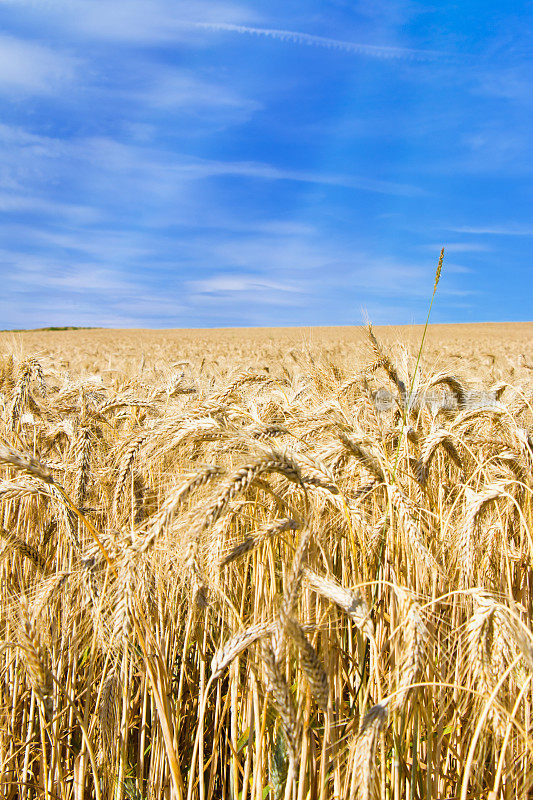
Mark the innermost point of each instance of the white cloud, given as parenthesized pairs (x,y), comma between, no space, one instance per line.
(145,311)
(281,254)
(297,281)
(153,170)
(147,22)
(82,278)
(510,82)
(50,291)
(205,168)
(458,247)
(510,229)
(241,283)
(33,68)
(207,101)
(141,22)
(38,272)
(317,267)
(49,208)
(99,245)
(170,88)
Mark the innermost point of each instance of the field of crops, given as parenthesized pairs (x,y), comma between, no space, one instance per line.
(275,564)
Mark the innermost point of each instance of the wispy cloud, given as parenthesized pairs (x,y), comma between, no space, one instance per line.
(511,229)
(458,247)
(82,278)
(151,21)
(177,163)
(296,278)
(511,82)
(315,266)
(53,291)
(157,171)
(241,283)
(46,208)
(140,22)
(462,247)
(205,168)
(168,88)
(33,68)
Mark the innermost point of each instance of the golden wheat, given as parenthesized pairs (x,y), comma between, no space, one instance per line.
(190,611)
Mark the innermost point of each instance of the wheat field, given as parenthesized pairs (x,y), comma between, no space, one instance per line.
(267,564)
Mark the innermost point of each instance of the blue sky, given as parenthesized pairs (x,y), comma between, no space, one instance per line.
(170,163)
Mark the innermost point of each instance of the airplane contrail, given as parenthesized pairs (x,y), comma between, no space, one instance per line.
(376,51)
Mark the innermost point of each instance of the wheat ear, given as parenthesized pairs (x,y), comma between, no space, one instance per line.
(475,504)
(413,532)
(20,393)
(277,686)
(351,603)
(310,664)
(172,502)
(480,633)
(235,645)
(241,479)
(432,441)
(363,455)
(36,662)
(24,462)
(124,467)
(414,645)
(82,454)
(444,378)
(255,539)
(386,362)
(363,752)
(25,549)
